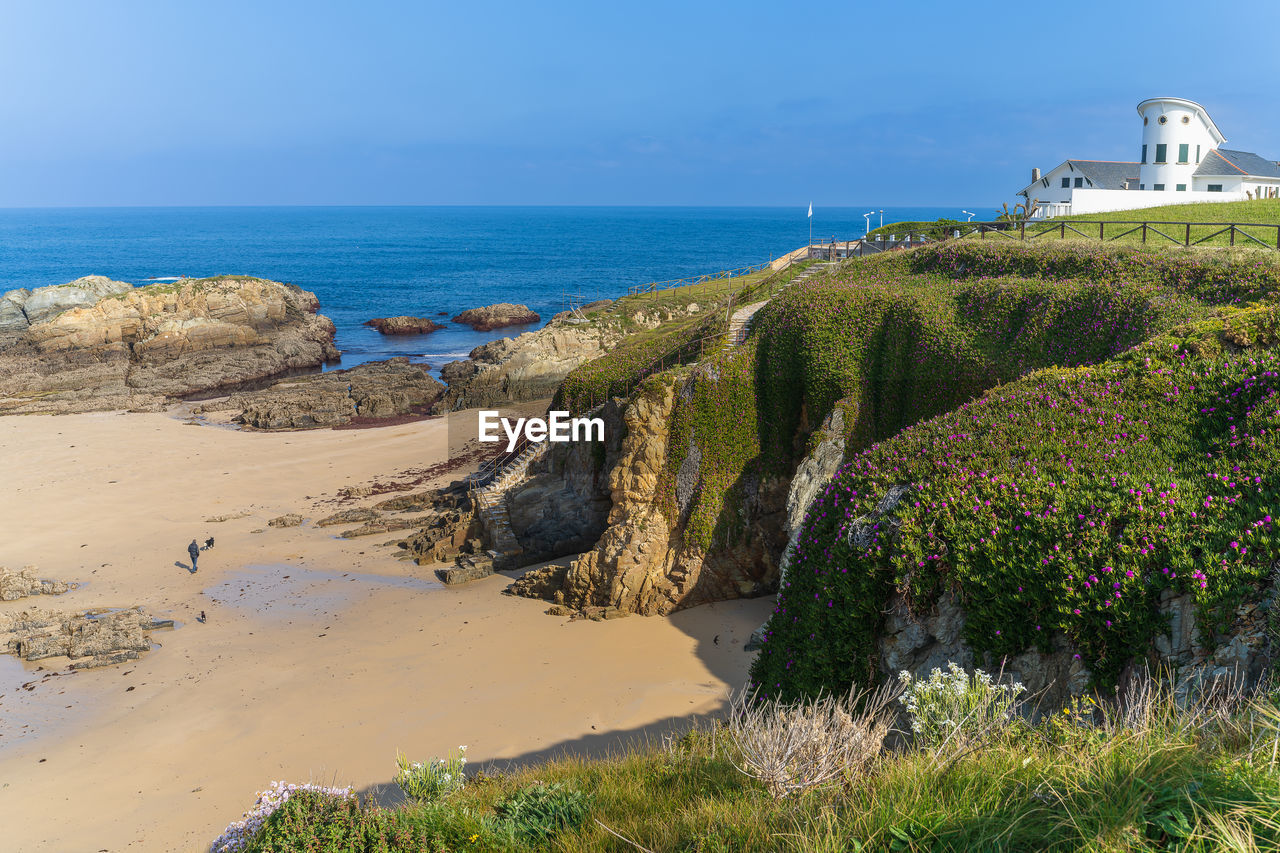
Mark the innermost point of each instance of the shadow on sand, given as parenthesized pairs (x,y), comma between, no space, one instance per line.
(719,646)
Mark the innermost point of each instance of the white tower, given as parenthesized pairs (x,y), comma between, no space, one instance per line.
(1176,135)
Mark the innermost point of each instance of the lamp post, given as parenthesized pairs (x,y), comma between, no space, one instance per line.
(968,214)
(867,217)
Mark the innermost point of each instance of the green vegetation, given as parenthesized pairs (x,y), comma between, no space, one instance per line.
(936,230)
(1258,211)
(1156,776)
(688,322)
(896,339)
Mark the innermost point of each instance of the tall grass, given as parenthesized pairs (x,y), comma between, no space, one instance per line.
(1144,771)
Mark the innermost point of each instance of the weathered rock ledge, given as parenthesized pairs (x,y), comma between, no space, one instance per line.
(24,583)
(367,392)
(91,639)
(528,367)
(97,344)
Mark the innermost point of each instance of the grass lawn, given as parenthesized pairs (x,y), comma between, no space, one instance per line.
(1259,212)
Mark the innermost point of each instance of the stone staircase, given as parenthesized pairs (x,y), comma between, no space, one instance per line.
(740,322)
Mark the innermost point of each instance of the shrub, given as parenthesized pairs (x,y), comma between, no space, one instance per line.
(432,781)
(238,835)
(794,747)
(538,813)
(956,708)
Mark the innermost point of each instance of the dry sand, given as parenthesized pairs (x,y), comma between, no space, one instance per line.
(320,658)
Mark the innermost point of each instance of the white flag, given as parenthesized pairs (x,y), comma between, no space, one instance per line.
(811,210)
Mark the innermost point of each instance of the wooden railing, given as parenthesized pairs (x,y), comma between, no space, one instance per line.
(1177,233)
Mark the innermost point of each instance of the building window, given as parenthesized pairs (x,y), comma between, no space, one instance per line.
(1144,153)
(1164,119)
(1161,150)
(1079,182)
(1146,120)
(1181,188)
(1183,151)
(1066,182)
(1214,188)
(1197,153)
(1142,186)
(1158,187)
(1186,119)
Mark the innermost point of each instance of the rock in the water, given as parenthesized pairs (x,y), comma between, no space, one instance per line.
(497,316)
(403,325)
(96,344)
(368,392)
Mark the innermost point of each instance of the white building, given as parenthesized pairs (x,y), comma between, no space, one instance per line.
(1182,161)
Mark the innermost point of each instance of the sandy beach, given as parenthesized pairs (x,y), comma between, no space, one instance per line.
(320,656)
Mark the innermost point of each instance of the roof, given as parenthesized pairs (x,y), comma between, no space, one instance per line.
(1107,174)
(1184,103)
(1221,161)
(1102,174)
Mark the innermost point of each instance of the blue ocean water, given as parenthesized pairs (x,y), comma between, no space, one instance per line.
(365,262)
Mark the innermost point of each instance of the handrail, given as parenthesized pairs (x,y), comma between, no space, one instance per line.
(654,286)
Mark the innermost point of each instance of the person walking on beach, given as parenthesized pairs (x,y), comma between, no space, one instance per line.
(194,550)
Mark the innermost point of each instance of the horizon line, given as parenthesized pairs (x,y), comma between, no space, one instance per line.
(801,206)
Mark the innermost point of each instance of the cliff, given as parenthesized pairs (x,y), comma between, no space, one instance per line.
(138,348)
(725,471)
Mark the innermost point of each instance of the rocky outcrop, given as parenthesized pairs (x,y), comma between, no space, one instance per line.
(528,367)
(139,348)
(403,325)
(1241,656)
(95,638)
(497,316)
(23,583)
(641,564)
(22,308)
(450,529)
(368,392)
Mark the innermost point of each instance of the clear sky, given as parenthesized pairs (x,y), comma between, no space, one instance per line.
(686,103)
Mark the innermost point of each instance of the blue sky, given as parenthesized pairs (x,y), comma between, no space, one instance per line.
(686,103)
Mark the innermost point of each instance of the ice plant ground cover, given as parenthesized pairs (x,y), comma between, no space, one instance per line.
(895,339)
(1064,502)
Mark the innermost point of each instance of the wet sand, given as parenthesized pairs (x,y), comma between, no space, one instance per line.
(320,657)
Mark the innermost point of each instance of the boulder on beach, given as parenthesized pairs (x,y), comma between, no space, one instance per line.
(403,325)
(498,316)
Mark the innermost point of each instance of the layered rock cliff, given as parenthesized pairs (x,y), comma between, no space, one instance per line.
(138,348)
(528,367)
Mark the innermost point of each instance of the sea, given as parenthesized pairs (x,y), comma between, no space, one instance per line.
(365,262)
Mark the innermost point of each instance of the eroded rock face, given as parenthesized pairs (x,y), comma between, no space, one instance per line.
(528,367)
(378,390)
(403,325)
(497,316)
(22,308)
(921,642)
(641,563)
(449,528)
(138,348)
